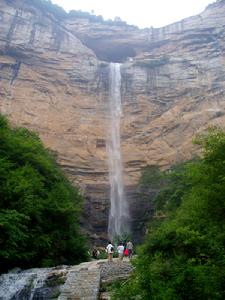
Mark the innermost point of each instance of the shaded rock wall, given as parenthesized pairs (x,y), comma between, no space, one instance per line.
(53,81)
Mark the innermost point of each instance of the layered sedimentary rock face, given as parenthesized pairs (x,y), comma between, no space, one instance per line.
(54,80)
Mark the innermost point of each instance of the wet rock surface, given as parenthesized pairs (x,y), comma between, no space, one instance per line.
(33,284)
(81,282)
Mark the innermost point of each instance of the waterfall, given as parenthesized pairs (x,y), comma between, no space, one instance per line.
(22,285)
(118,215)
(31,284)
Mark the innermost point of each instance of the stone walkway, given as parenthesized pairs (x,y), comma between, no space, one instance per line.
(83,281)
(87,281)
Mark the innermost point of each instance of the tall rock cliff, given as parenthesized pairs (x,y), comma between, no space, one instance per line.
(54,80)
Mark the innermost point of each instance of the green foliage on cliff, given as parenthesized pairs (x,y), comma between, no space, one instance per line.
(47,6)
(39,208)
(183,256)
(85,15)
(96,19)
(151,175)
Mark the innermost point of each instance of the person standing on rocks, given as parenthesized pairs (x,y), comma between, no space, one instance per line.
(95,252)
(130,249)
(120,250)
(110,251)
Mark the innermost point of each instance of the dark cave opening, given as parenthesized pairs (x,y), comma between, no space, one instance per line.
(110,51)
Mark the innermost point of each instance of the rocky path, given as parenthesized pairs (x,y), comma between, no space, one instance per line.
(87,281)
(111,273)
(83,281)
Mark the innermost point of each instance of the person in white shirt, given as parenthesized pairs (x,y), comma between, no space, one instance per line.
(120,250)
(110,250)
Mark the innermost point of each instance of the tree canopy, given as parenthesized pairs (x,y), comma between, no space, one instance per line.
(183,256)
(39,208)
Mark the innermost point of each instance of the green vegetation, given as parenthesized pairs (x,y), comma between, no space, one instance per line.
(125,237)
(39,208)
(85,15)
(55,280)
(96,19)
(111,286)
(183,256)
(102,254)
(47,6)
(151,175)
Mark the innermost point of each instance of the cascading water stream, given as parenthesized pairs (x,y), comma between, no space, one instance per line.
(118,215)
(22,285)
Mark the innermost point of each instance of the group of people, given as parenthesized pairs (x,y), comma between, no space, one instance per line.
(123,250)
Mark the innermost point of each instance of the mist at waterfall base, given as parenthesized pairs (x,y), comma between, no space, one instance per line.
(119,212)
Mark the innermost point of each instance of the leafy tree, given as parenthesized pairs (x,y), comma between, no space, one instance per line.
(39,208)
(60,13)
(184,257)
(175,183)
(151,175)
